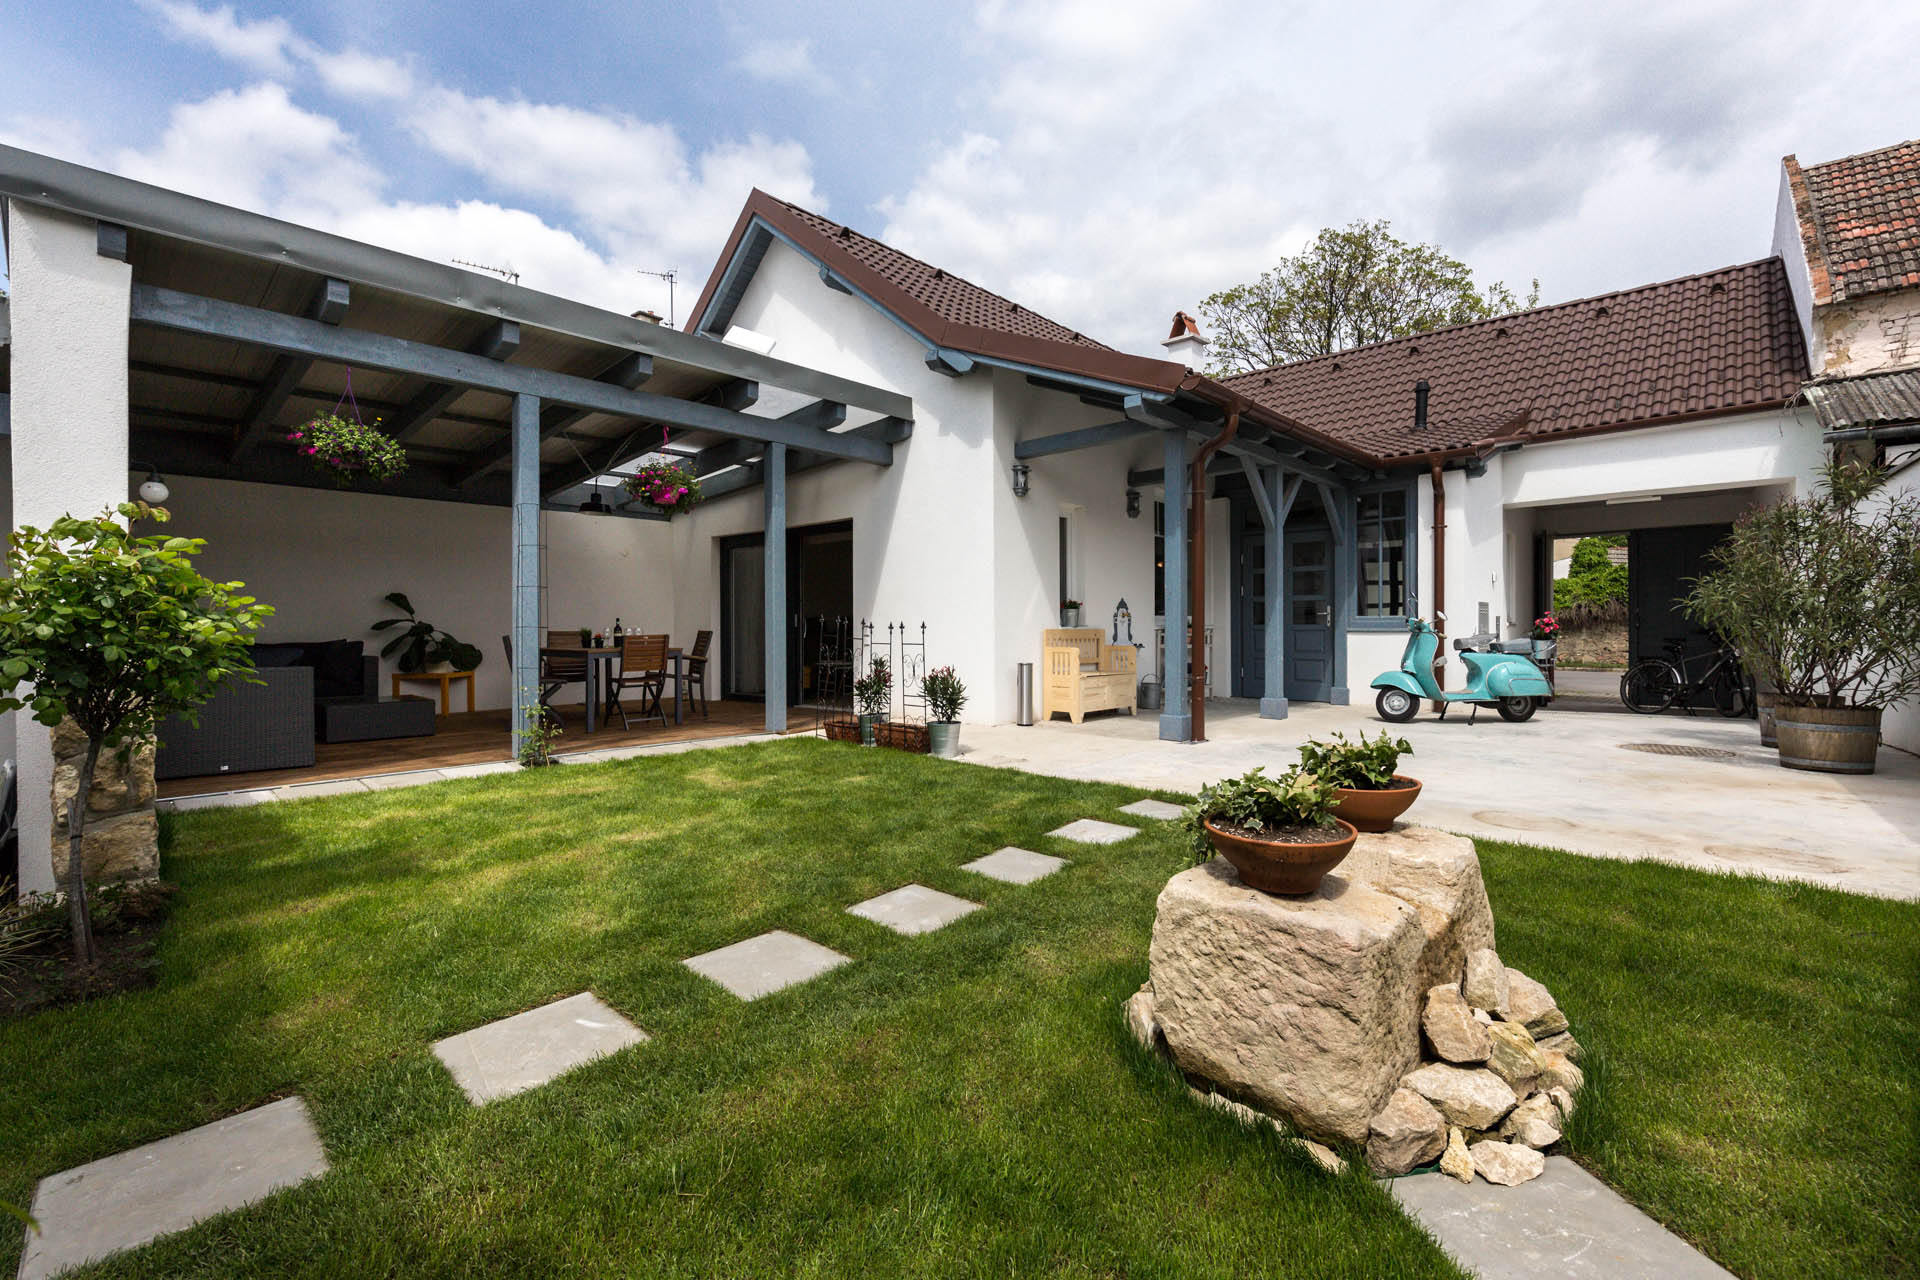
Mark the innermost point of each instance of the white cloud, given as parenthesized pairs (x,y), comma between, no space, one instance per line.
(787,62)
(354,74)
(264,45)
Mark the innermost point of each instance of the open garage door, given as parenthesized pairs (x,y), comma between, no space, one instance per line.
(1661,566)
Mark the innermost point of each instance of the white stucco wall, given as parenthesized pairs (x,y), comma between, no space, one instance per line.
(1868,335)
(1900,725)
(1792,253)
(325,558)
(69,447)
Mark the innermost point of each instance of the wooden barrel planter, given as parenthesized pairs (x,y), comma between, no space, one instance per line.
(1828,739)
(1764,705)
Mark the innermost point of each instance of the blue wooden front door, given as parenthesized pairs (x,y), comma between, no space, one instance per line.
(1309,583)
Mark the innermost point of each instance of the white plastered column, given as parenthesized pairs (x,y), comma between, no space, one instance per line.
(69,314)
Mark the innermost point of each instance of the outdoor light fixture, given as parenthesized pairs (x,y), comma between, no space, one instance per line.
(153,490)
(1020,473)
(1133,504)
(595,505)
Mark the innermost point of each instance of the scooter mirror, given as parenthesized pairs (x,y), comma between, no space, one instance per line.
(1440,615)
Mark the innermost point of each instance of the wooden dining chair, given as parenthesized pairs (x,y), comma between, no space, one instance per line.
(550,681)
(696,666)
(643,666)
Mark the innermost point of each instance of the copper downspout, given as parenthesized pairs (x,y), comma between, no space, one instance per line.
(1197,576)
(1439,570)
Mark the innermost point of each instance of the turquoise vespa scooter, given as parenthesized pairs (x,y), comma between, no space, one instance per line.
(1507,681)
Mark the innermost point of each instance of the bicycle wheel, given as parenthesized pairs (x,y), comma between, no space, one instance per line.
(1649,687)
(1730,695)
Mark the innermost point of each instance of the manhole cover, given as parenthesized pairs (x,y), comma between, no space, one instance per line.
(1669,749)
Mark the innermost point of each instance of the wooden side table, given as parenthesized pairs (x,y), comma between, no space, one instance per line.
(444,679)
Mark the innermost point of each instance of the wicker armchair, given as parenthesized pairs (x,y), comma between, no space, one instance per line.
(1082,673)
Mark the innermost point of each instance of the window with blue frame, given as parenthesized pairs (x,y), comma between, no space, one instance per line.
(1384,570)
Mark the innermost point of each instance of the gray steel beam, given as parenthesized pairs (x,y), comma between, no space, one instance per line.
(1084,438)
(747,474)
(1176,718)
(526,566)
(824,414)
(499,342)
(328,306)
(210,317)
(774,579)
(630,370)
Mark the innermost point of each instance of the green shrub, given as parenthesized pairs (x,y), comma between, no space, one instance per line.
(1366,765)
(1257,803)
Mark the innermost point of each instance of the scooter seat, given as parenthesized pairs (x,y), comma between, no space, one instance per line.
(1474,643)
(1524,647)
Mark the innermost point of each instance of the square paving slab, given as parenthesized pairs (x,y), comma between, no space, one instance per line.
(1015,866)
(1158,810)
(516,1054)
(1094,831)
(766,964)
(126,1200)
(913,908)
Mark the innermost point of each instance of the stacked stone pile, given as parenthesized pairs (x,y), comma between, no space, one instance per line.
(1497,1084)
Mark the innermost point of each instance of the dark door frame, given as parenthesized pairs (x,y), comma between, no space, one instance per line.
(796,607)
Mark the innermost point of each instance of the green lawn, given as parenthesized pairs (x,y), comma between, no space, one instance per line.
(964,1102)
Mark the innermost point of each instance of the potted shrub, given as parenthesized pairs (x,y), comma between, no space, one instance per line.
(422,646)
(874,693)
(349,450)
(1820,596)
(666,487)
(1279,833)
(586,637)
(1069,613)
(1368,793)
(1546,636)
(945,694)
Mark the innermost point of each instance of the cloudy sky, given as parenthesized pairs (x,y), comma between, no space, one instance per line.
(1103,161)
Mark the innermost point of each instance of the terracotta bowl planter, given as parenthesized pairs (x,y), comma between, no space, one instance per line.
(1376,810)
(1276,866)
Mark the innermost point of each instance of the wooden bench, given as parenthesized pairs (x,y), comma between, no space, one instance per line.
(1082,674)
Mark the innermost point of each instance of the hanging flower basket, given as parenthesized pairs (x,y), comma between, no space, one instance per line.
(665,486)
(349,451)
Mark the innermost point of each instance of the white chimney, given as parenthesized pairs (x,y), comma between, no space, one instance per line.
(1185,345)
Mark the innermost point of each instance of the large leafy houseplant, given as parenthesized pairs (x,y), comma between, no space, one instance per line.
(114,632)
(422,644)
(1820,595)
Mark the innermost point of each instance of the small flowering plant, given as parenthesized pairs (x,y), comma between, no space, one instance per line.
(349,450)
(1546,627)
(945,694)
(665,486)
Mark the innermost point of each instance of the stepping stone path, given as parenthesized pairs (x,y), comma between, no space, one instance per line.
(766,964)
(128,1199)
(913,908)
(1094,831)
(528,1049)
(1015,866)
(1158,810)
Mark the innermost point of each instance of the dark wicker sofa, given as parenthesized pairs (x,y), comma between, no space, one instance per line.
(246,725)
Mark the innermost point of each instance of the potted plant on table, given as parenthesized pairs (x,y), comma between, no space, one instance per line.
(1368,792)
(422,646)
(946,694)
(874,692)
(1820,596)
(1279,833)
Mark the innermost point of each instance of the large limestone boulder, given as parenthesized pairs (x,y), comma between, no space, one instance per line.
(1310,1006)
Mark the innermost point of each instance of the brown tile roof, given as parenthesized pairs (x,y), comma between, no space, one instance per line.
(1721,342)
(1860,221)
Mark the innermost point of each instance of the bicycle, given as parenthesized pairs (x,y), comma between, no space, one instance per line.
(1652,685)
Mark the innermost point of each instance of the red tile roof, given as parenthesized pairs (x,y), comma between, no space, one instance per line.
(1860,221)
(1721,342)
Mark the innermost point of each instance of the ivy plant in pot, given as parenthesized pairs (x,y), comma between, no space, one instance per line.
(1368,792)
(1280,833)
(945,694)
(1820,596)
(421,646)
(874,692)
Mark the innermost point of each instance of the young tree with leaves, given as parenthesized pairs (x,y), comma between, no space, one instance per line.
(1351,286)
(114,632)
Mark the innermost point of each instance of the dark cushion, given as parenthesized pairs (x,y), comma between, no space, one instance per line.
(280,655)
(336,668)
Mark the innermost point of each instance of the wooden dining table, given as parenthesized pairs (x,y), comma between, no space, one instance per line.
(601,666)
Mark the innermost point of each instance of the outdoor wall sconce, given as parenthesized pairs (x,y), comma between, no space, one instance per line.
(1133,504)
(153,490)
(1020,473)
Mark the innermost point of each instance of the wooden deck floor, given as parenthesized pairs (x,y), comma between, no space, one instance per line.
(481,737)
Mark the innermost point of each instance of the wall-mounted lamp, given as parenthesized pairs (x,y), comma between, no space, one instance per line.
(1020,473)
(1133,504)
(153,490)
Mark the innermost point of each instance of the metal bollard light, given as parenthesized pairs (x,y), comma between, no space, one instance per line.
(1023,694)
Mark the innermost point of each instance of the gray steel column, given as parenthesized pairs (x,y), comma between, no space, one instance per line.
(1176,719)
(526,564)
(773,494)
(1273,700)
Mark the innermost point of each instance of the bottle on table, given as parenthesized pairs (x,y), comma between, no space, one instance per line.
(618,631)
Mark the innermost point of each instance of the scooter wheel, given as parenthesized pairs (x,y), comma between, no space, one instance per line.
(1516,710)
(1396,705)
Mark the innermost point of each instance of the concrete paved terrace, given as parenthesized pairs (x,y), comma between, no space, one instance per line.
(1570,780)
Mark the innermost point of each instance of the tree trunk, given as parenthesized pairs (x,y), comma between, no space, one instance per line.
(78,917)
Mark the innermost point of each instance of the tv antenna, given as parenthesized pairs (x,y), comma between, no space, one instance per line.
(668,276)
(505,273)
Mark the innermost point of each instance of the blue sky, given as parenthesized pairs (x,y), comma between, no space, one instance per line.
(1104,161)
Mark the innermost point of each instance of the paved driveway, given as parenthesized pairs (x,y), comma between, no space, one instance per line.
(1564,779)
